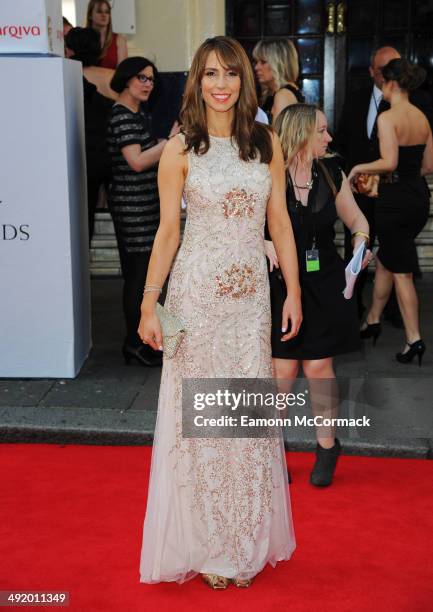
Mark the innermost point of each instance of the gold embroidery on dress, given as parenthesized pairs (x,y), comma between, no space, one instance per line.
(237,281)
(239,203)
(229,488)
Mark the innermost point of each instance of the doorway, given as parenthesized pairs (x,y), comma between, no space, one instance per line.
(335,39)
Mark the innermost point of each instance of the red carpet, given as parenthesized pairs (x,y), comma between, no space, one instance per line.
(71,519)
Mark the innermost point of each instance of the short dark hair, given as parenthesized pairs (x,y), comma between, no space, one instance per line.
(86,45)
(129,68)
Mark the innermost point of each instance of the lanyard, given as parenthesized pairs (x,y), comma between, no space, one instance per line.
(300,206)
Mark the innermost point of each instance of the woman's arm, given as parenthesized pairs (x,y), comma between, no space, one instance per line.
(102,81)
(171,177)
(388,150)
(427,160)
(280,229)
(282,99)
(122,48)
(352,216)
(140,160)
(349,211)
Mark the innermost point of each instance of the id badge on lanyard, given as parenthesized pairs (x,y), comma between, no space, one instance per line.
(312,261)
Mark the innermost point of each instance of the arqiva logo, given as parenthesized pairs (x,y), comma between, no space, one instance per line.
(20,31)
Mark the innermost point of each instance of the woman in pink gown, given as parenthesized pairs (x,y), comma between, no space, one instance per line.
(219,507)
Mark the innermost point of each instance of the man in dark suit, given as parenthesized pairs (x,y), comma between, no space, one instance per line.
(356,141)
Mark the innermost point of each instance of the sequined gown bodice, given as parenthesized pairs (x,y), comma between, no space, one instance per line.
(217,505)
(219,284)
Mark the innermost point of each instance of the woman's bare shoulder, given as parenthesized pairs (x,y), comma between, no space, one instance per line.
(174,150)
(407,112)
(285,96)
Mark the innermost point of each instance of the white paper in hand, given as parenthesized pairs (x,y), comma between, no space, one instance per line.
(353,268)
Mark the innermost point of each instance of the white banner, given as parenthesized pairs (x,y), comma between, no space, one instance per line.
(31,26)
(44,261)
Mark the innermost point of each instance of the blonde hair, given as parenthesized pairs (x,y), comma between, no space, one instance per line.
(109,36)
(282,57)
(296,127)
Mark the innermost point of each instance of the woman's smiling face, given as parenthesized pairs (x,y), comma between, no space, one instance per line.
(220,85)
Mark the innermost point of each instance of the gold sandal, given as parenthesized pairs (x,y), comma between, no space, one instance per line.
(216,582)
(242,584)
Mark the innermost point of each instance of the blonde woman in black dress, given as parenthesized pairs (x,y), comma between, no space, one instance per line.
(317,194)
(406,151)
(276,65)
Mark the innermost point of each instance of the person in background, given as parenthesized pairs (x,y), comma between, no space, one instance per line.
(356,140)
(113,46)
(277,70)
(317,194)
(133,197)
(82,44)
(402,208)
(67,25)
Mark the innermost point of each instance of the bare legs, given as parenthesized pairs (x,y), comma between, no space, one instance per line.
(314,369)
(406,296)
(408,303)
(383,282)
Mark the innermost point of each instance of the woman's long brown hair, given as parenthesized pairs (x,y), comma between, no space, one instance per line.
(109,35)
(252,138)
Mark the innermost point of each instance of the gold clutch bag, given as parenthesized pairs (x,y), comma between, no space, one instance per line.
(173,331)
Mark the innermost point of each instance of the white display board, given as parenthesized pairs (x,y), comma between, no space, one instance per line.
(31,26)
(122,15)
(44,257)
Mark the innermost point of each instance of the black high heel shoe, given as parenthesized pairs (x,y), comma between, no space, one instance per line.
(373,330)
(416,348)
(143,355)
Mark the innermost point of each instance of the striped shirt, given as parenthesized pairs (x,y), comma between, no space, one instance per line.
(133,196)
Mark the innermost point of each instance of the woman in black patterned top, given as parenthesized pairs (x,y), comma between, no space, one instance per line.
(133,195)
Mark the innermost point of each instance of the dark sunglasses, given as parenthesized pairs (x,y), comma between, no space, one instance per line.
(145,79)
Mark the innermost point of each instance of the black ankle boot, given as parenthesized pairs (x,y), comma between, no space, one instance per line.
(324,467)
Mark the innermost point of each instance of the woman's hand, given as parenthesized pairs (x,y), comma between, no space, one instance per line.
(367,259)
(353,175)
(271,255)
(150,330)
(175,129)
(292,311)
(368,255)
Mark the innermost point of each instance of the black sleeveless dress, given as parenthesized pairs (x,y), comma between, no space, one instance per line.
(402,211)
(330,324)
(269,102)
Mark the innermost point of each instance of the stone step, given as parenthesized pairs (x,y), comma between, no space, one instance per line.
(98,271)
(104,226)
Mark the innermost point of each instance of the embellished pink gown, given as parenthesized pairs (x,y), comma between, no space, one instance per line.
(218,506)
